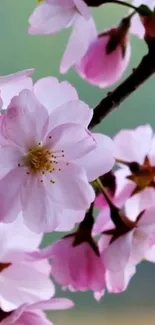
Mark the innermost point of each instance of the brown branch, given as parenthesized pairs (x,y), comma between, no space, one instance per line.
(145,70)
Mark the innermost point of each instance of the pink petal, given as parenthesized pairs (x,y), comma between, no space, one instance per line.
(34,318)
(140,244)
(66,147)
(82,8)
(151,154)
(11,85)
(9,242)
(127,142)
(124,187)
(39,212)
(117,255)
(10,157)
(117,282)
(103,222)
(24,283)
(99,294)
(148,218)
(68,218)
(71,112)
(51,93)
(23,126)
(100,160)
(71,188)
(86,269)
(139,202)
(10,195)
(53,304)
(50,19)
(150,254)
(84,32)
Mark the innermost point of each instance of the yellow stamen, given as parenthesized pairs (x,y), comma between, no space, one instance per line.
(38,160)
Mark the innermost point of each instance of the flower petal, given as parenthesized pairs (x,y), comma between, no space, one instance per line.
(65,147)
(12,84)
(100,160)
(53,304)
(118,281)
(71,188)
(21,124)
(10,187)
(10,239)
(24,283)
(84,32)
(51,93)
(50,19)
(117,255)
(71,112)
(127,142)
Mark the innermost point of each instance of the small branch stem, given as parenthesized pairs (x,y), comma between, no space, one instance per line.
(123,3)
(97,3)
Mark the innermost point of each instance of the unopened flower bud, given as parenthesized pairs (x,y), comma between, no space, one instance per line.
(107,57)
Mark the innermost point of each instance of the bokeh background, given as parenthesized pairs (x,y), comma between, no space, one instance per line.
(19,51)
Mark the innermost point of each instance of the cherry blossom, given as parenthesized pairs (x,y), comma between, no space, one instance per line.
(47,167)
(33,314)
(137,167)
(21,280)
(76,266)
(51,16)
(122,247)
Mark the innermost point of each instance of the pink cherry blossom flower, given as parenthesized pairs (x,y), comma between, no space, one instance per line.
(51,16)
(76,267)
(21,280)
(137,28)
(106,58)
(47,167)
(123,248)
(138,167)
(33,314)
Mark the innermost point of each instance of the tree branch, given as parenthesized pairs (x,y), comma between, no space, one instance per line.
(145,70)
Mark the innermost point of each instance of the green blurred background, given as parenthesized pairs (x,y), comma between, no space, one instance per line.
(19,51)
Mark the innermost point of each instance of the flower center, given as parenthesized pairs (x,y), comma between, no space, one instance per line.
(38,160)
(142,175)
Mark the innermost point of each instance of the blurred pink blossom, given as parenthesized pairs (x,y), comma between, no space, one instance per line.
(21,280)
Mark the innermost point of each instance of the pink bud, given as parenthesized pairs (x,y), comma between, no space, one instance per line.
(107,58)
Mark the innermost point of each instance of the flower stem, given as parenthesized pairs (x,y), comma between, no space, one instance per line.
(123,3)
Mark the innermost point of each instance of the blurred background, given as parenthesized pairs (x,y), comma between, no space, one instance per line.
(19,51)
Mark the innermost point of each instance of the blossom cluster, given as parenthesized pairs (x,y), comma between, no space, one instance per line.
(55,172)
(102,57)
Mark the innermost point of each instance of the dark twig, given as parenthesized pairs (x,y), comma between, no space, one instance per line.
(145,70)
